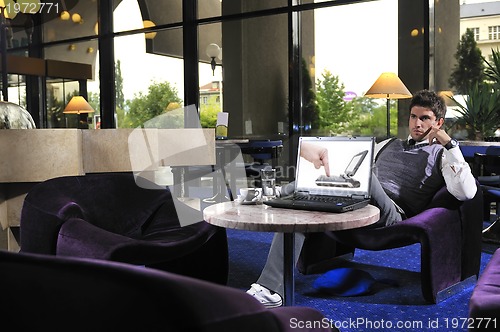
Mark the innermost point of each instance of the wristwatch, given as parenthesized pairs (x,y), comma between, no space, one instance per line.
(451,144)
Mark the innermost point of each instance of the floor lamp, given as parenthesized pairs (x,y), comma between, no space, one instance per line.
(388,86)
(78,105)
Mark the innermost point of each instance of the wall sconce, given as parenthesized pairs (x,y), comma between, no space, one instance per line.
(76,18)
(214,51)
(8,9)
(149,24)
(388,86)
(65,16)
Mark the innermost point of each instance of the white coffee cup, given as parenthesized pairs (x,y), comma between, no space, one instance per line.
(250,194)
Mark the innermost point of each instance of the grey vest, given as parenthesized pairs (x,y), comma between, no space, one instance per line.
(410,177)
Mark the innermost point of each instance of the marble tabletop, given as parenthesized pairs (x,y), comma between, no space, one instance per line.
(263,218)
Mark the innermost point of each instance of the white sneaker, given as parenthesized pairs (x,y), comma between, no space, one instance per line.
(264,296)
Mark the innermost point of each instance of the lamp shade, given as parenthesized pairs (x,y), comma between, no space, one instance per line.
(213,50)
(389,86)
(78,105)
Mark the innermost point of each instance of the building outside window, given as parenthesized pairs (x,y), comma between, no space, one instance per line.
(475,31)
(494,32)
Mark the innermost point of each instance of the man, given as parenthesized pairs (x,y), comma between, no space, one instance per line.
(406,175)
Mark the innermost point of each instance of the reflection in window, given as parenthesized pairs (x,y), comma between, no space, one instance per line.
(17,89)
(59,92)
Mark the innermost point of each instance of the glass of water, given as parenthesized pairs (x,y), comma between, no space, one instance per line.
(268,181)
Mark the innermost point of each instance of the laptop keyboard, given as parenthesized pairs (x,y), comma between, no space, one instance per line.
(325,199)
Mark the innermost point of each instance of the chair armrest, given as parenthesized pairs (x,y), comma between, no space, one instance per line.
(412,230)
(491,180)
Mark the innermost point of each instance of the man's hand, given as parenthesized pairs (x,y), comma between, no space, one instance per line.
(439,134)
(317,155)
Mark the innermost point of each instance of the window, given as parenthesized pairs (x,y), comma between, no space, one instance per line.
(475,31)
(494,32)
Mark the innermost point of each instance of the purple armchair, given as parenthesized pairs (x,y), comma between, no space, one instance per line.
(449,233)
(108,216)
(484,304)
(50,293)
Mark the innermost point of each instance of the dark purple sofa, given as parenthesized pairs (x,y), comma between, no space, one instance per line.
(108,216)
(484,304)
(449,233)
(50,293)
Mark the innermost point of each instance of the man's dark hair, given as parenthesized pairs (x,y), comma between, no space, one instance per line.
(429,99)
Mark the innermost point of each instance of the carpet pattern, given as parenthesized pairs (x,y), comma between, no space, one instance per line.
(388,308)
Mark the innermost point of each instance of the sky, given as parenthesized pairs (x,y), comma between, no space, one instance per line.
(357,64)
(365,50)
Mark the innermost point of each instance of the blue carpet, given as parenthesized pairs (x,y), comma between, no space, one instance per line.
(383,310)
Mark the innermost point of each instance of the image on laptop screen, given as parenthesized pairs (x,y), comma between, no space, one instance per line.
(350,163)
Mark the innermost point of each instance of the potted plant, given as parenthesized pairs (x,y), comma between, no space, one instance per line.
(481,112)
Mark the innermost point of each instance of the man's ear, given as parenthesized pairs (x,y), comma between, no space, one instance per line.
(440,122)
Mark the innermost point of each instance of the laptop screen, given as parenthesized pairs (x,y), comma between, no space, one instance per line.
(350,163)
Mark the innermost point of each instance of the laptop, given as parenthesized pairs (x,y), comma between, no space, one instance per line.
(315,191)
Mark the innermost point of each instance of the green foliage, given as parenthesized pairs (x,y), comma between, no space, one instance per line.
(481,112)
(120,98)
(208,113)
(334,116)
(146,108)
(94,101)
(469,68)
(492,70)
(371,118)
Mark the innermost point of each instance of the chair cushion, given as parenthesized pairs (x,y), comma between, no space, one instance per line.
(42,292)
(78,238)
(485,299)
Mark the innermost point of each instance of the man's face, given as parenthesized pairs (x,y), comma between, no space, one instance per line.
(421,121)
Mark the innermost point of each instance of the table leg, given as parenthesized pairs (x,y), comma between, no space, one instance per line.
(220,184)
(289,268)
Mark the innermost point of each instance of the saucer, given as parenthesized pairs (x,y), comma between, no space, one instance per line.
(250,202)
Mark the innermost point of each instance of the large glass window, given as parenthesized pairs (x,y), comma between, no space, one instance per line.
(69,19)
(149,68)
(59,93)
(251,79)
(256,69)
(211,73)
(148,82)
(343,59)
(152,13)
(17,89)
(237,7)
